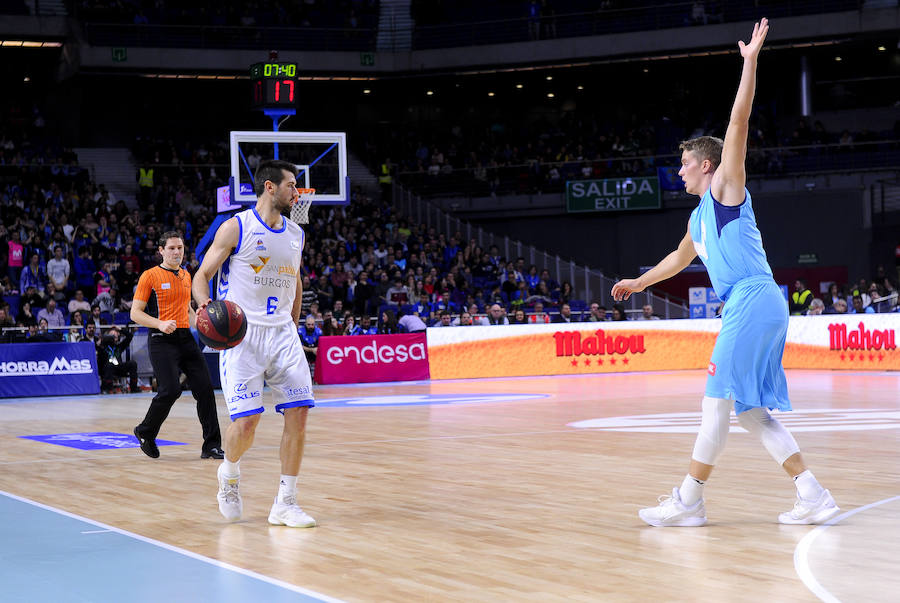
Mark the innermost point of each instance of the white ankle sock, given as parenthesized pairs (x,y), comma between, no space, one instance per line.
(287,487)
(808,487)
(691,490)
(231,469)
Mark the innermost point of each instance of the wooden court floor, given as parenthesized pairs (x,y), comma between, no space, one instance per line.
(502,490)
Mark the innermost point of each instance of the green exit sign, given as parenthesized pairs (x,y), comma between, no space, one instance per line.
(367,59)
(119,55)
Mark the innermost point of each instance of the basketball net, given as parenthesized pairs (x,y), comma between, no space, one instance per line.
(300,209)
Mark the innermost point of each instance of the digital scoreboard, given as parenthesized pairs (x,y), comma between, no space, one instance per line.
(273,85)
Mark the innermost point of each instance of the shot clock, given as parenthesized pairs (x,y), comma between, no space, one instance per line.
(273,85)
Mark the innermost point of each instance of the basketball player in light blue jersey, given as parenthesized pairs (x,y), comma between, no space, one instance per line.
(745,370)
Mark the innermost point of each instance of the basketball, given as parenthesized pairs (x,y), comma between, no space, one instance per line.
(222,325)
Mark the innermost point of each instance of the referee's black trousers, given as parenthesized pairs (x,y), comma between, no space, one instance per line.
(171,355)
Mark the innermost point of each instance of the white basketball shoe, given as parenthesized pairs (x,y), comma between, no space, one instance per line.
(289,513)
(811,511)
(230,505)
(671,512)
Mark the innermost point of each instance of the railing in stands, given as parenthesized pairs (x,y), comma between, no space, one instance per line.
(534,177)
(652,16)
(589,285)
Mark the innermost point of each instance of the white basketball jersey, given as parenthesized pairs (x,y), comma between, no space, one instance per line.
(261,275)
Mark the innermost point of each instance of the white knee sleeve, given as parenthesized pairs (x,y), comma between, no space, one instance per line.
(775,437)
(713,430)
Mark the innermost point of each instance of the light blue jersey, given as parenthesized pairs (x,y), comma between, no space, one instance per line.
(746,362)
(728,242)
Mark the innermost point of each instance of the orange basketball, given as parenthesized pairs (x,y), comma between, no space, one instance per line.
(222,324)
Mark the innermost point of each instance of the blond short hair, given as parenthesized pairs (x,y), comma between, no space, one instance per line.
(706,147)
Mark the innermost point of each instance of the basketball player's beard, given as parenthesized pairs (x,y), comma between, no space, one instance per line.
(283,207)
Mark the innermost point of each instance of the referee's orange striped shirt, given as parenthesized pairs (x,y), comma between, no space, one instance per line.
(167,294)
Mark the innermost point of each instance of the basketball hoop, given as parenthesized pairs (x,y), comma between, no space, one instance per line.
(300,209)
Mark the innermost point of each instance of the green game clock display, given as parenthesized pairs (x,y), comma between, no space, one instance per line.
(273,84)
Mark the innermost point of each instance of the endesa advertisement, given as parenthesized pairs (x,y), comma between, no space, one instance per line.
(372,358)
(856,341)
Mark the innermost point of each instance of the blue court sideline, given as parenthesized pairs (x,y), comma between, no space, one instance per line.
(51,555)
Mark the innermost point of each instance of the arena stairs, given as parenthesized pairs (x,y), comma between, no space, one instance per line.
(114,167)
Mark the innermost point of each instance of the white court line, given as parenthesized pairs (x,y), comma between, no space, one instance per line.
(801,553)
(175,549)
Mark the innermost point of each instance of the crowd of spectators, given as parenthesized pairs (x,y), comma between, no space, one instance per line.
(513,152)
(877,295)
(73,251)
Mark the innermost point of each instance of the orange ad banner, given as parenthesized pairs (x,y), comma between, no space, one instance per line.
(824,342)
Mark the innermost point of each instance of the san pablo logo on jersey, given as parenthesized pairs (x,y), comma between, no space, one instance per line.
(260,246)
(33,368)
(279,270)
(263,261)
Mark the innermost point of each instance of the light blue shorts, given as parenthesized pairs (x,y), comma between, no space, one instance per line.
(746,361)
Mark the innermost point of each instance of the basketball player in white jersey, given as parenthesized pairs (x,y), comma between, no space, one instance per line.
(257,255)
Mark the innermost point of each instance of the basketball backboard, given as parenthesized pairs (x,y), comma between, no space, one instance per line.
(320,157)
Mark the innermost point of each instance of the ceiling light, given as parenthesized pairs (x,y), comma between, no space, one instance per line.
(549,77)
(367,91)
(29,44)
(430,93)
(580,87)
(882,48)
(550,95)
(838,59)
(519,86)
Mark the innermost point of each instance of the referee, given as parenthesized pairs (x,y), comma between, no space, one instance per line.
(162,302)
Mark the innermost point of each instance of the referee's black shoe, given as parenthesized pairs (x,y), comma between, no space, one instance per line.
(213,453)
(148,445)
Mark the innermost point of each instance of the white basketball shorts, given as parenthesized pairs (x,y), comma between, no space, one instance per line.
(270,354)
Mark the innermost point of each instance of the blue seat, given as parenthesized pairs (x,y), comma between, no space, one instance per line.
(578,305)
(122,318)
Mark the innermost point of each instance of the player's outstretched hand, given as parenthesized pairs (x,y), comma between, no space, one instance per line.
(204,304)
(624,288)
(752,48)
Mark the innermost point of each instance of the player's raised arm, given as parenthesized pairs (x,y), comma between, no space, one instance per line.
(223,245)
(671,265)
(731,175)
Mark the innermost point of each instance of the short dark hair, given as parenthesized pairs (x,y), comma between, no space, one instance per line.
(273,171)
(706,147)
(169,234)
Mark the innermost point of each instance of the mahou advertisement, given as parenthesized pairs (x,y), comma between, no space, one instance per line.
(371,358)
(847,342)
(851,341)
